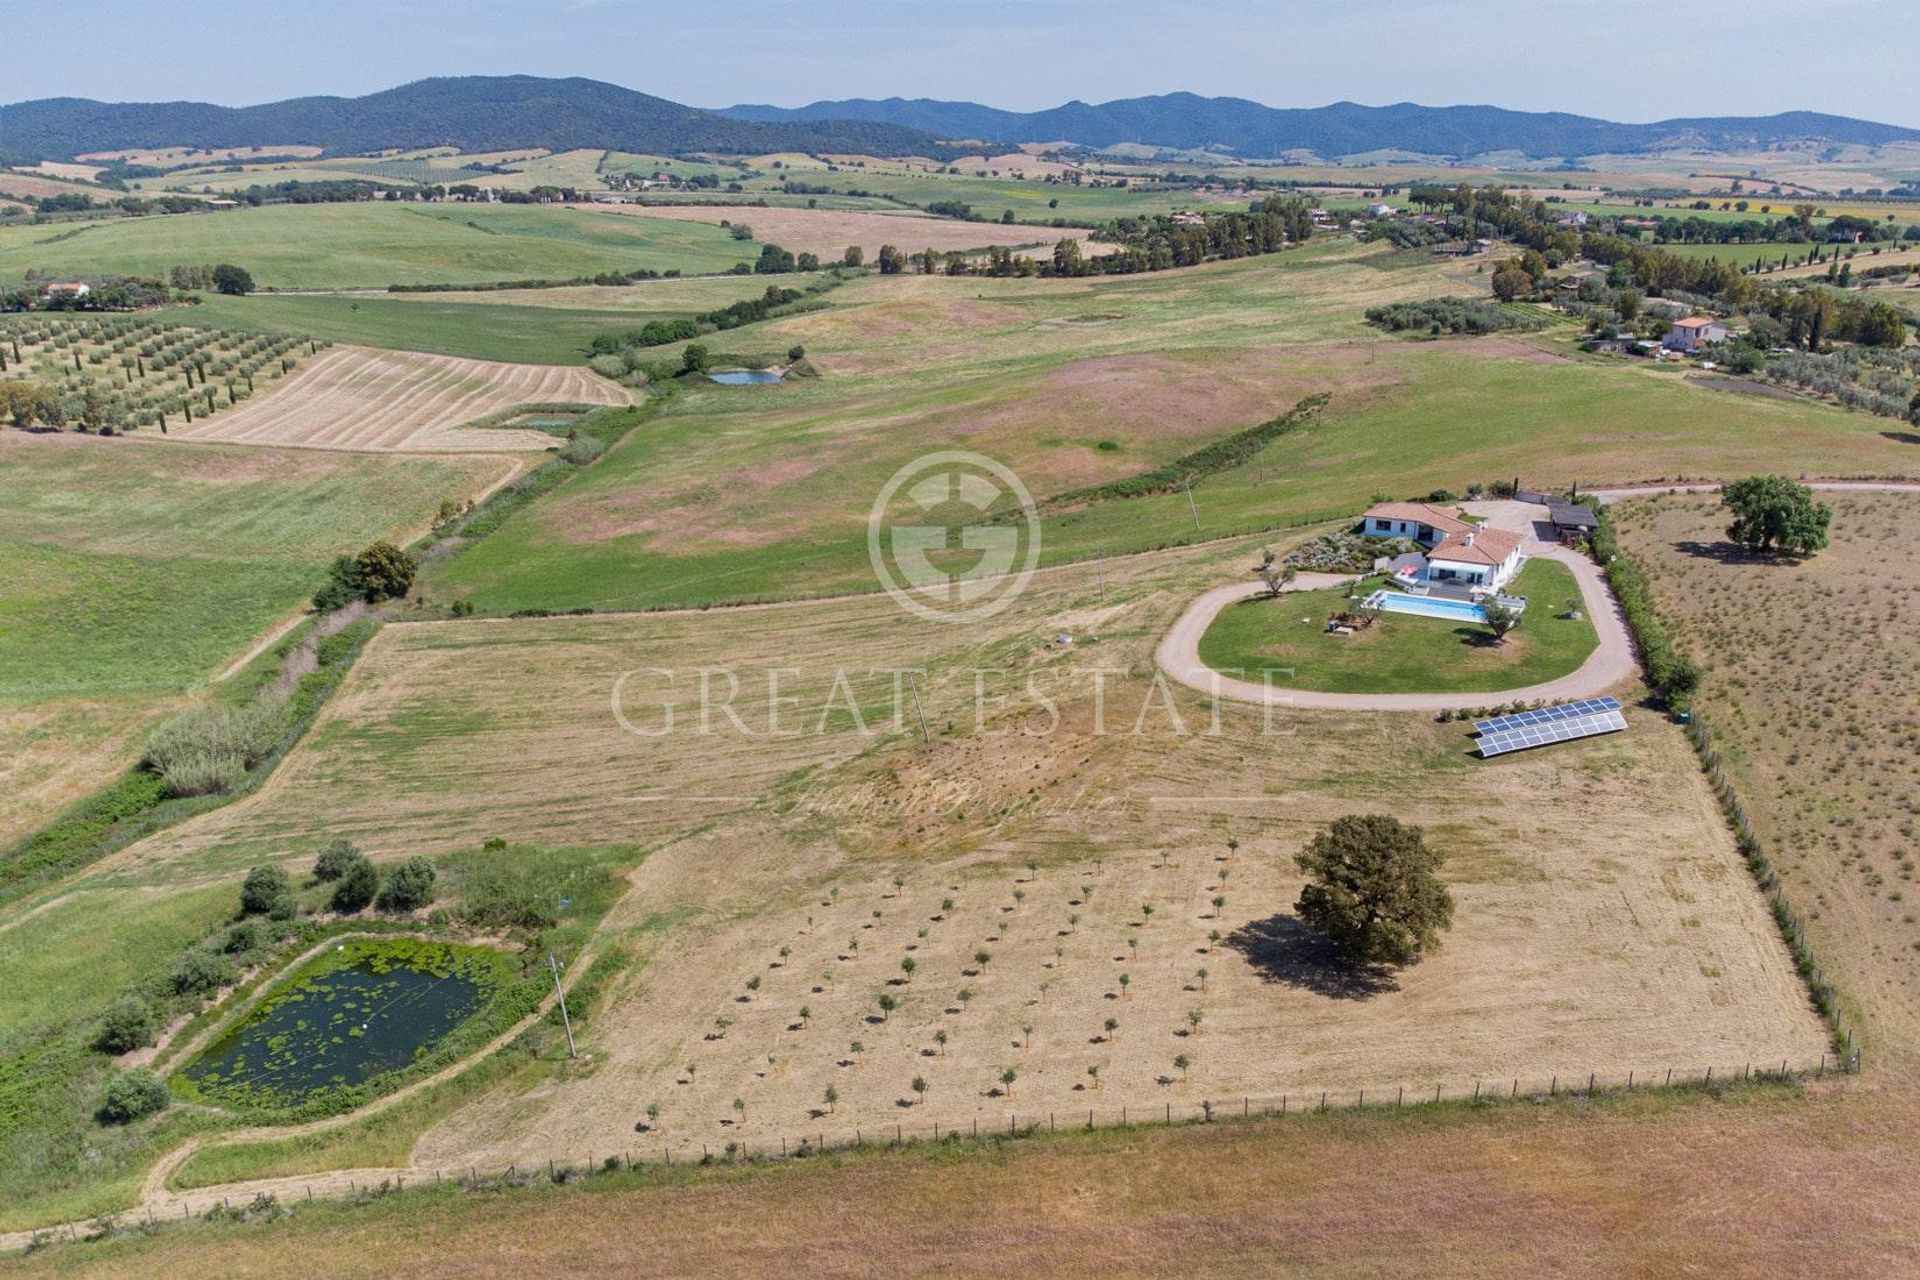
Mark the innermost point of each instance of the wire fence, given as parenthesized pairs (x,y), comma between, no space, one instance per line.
(635,1151)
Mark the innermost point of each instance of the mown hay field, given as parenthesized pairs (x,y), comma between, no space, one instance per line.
(360,398)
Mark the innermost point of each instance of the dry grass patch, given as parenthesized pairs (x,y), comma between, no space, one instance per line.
(1813,683)
(359,398)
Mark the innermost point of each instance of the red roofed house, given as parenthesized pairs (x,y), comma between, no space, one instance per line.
(1458,551)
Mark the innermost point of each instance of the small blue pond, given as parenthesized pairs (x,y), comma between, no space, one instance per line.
(340,1028)
(745,377)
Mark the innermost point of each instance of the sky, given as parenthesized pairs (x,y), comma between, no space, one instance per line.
(1632,60)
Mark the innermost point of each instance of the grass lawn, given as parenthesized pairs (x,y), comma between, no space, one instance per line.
(332,246)
(1401,653)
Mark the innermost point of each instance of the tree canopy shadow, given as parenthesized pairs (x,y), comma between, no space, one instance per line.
(1282,949)
(1902,437)
(1725,552)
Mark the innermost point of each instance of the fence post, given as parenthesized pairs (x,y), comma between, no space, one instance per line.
(1283,1104)
(1436,1095)
(1629,1082)
(1362,1102)
(1169,1113)
(1012,1129)
(1591,1076)
(1669,1076)
(1399,1097)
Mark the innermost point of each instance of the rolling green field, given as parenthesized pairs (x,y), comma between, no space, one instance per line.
(739,493)
(334,246)
(520,325)
(140,567)
(1400,653)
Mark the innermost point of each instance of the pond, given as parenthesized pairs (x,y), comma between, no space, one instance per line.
(362,1010)
(745,377)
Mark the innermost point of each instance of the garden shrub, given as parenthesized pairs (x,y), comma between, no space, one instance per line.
(409,886)
(132,1095)
(262,889)
(201,973)
(356,886)
(126,1025)
(334,859)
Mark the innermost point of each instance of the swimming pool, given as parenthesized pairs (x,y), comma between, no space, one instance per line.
(1427,606)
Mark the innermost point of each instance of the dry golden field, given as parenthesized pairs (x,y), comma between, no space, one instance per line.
(1793,1184)
(360,398)
(1598,931)
(1813,683)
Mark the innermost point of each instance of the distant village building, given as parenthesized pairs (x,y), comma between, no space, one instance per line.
(1380,211)
(68,288)
(1694,333)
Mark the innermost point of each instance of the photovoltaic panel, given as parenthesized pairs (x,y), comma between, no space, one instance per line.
(1539,735)
(1560,711)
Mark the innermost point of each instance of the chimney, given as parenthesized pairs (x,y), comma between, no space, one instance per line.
(1469,538)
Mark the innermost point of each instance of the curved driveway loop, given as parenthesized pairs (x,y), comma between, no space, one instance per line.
(1609,664)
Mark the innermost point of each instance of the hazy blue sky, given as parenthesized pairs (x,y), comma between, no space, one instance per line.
(1623,59)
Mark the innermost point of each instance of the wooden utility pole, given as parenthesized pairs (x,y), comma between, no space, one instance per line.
(1190,507)
(914,684)
(565,1021)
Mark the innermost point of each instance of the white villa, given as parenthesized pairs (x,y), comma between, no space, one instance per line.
(1458,552)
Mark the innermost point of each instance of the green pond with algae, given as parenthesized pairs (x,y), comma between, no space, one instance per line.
(355,1015)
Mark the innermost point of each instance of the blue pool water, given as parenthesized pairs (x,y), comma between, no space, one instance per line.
(1428,606)
(745,377)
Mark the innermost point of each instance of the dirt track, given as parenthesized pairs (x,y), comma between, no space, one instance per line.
(1609,664)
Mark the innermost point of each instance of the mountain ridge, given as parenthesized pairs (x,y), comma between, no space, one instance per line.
(473,113)
(1189,122)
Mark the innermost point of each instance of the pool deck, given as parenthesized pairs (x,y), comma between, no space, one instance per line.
(1611,662)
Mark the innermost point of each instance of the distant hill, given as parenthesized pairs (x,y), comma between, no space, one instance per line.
(473,113)
(1186,121)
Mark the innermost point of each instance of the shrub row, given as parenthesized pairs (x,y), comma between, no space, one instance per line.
(1222,455)
(1674,676)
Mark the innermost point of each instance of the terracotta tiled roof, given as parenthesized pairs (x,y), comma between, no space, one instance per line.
(1489,546)
(1441,518)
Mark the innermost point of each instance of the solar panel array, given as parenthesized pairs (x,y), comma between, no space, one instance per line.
(1562,711)
(1502,741)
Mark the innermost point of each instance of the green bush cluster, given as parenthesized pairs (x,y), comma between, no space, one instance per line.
(207,749)
(1451,315)
(1674,676)
(132,1095)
